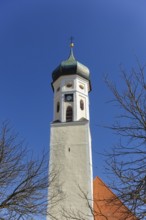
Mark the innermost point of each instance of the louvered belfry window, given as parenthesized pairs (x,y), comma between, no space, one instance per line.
(69,114)
(58,106)
(81,104)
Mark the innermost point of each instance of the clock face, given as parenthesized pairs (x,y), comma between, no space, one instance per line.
(69,97)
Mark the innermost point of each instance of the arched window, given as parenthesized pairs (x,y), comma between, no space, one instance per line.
(58,106)
(81,104)
(69,114)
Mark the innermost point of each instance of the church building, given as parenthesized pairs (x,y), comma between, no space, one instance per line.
(70,150)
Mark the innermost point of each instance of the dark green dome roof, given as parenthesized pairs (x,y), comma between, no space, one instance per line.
(71,67)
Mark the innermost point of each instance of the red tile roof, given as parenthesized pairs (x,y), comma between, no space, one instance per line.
(107,206)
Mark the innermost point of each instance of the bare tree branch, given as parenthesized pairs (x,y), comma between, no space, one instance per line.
(24,182)
(128,158)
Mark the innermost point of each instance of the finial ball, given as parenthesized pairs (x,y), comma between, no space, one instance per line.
(72,44)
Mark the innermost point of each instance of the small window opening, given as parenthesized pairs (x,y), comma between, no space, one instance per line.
(58,106)
(69,114)
(81,86)
(81,104)
(69,85)
(58,89)
(69,149)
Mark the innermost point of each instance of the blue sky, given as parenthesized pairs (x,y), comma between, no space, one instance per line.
(34,39)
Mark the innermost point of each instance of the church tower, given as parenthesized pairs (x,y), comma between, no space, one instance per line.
(70,141)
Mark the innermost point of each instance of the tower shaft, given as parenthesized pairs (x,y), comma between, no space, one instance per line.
(71,159)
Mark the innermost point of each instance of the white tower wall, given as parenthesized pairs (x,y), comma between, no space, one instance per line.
(70,152)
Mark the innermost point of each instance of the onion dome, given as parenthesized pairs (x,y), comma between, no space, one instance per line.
(71,67)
